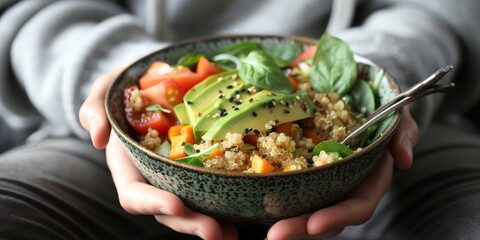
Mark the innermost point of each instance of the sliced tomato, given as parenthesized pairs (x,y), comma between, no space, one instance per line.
(205,68)
(167,93)
(307,54)
(186,79)
(161,71)
(141,121)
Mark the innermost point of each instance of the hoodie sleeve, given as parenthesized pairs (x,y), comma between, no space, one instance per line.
(56,49)
(414,38)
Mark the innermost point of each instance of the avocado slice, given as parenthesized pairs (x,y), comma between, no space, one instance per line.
(181,113)
(233,100)
(251,117)
(205,94)
(197,89)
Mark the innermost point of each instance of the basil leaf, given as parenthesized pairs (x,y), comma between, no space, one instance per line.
(157,107)
(189,60)
(242,49)
(363,97)
(189,149)
(333,67)
(332,146)
(259,69)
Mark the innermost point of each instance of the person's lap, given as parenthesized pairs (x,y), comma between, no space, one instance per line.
(62,189)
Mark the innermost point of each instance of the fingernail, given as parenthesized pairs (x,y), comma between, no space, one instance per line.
(407,146)
(165,211)
(198,233)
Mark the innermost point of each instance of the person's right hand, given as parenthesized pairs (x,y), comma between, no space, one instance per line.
(135,194)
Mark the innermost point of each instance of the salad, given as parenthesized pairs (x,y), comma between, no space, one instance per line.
(254,109)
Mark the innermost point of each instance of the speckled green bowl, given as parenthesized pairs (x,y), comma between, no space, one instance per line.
(242,197)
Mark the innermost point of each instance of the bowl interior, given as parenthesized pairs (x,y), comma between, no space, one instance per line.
(211,46)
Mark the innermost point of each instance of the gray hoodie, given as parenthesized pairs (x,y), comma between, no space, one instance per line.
(52,51)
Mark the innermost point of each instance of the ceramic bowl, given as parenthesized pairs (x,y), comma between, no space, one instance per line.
(243,197)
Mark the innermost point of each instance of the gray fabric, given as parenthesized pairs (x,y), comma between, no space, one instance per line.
(61,188)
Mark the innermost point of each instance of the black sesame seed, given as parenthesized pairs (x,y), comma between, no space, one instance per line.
(229,86)
(246,130)
(230,99)
(251,100)
(286,111)
(189,102)
(254,114)
(276,121)
(237,92)
(220,91)
(221,96)
(256,131)
(264,156)
(183,143)
(238,102)
(287,104)
(248,92)
(236,109)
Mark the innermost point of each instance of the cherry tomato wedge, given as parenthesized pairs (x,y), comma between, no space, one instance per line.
(161,71)
(167,93)
(141,121)
(307,54)
(186,79)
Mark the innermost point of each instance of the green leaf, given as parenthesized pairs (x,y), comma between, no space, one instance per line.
(286,52)
(195,162)
(242,49)
(157,107)
(378,80)
(333,68)
(194,159)
(363,97)
(189,60)
(367,134)
(259,69)
(189,149)
(331,147)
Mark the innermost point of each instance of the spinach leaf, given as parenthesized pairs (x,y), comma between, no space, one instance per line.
(284,54)
(242,49)
(189,60)
(259,69)
(333,68)
(363,97)
(332,146)
(287,52)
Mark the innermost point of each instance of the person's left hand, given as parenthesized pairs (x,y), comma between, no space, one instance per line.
(362,201)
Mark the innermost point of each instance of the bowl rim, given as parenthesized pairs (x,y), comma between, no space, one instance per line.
(297,39)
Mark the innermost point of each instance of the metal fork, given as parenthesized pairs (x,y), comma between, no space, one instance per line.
(418,90)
